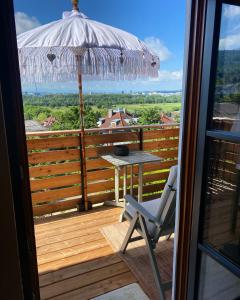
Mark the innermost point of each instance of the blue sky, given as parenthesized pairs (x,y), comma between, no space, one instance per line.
(230,28)
(159,22)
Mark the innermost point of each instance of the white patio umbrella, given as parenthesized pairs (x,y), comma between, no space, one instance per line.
(77,47)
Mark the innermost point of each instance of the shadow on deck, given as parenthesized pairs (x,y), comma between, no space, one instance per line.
(75,261)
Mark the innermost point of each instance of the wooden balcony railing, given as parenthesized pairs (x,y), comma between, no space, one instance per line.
(55,164)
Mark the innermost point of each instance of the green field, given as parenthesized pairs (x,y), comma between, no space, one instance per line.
(65,108)
(165,107)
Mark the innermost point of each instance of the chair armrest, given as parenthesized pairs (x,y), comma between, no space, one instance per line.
(141,210)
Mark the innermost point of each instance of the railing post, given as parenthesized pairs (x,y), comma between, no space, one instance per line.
(83,205)
(141,139)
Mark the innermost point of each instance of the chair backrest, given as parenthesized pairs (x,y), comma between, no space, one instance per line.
(166,211)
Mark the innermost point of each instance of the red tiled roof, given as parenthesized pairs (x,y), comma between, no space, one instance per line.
(165,119)
(49,121)
(116,116)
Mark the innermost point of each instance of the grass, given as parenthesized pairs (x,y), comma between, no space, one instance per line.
(165,107)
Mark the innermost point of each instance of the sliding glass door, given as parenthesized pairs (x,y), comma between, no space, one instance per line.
(216,234)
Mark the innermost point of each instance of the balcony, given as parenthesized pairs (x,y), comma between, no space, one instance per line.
(75,261)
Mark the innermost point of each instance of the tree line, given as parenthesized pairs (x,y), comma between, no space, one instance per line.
(98,100)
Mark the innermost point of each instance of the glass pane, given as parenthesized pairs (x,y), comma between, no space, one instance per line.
(226,113)
(222,201)
(217,283)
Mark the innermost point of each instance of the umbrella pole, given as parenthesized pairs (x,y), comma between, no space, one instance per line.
(82,140)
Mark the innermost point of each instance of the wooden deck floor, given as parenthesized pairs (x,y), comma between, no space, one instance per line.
(74,259)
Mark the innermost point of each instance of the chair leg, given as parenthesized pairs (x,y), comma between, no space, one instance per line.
(129,234)
(152,257)
(169,236)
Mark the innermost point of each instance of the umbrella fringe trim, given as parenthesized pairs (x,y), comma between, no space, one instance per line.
(95,64)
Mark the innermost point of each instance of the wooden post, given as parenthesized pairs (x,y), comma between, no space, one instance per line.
(75,5)
(82,140)
(140,139)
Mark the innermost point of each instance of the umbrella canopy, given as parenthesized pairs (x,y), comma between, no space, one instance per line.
(55,52)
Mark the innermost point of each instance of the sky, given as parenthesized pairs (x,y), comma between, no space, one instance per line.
(160,23)
(230,28)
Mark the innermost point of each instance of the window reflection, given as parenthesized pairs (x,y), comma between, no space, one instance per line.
(222,202)
(226,113)
(217,283)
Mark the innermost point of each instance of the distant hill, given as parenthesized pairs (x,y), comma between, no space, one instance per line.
(228,76)
(99,100)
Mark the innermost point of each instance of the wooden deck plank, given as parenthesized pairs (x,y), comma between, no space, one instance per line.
(79,218)
(75,227)
(70,235)
(75,261)
(99,288)
(56,255)
(67,243)
(78,269)
(82,280)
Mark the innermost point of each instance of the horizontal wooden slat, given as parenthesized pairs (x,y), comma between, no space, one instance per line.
(167,154)
(109,185)
(59,181)
(152,196)
(155,177)
(94,199)
(49,170)
(47,196)
(44,209)
(111,138)
(100,186)
(51,156)
(160,134)
(59,142)
(98,163)
(151,188)
(100,174)
(159,166)
(108,173)
(160,144)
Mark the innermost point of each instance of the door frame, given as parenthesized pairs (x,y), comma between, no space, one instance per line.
(199,69)
(15,143)
(194,41)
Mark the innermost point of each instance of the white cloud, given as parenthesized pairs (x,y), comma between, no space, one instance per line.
(157,46)
(25,22)
(230,42)
(170,75)
(231,11)
(166,76)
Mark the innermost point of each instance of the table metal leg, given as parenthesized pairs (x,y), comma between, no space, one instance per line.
(121,218)
(124,181)
(117,179)
(131,181)
(140,182)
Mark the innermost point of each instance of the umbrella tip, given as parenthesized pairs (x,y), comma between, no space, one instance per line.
(75,5)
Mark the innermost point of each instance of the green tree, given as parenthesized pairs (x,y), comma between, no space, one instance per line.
(150,116)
